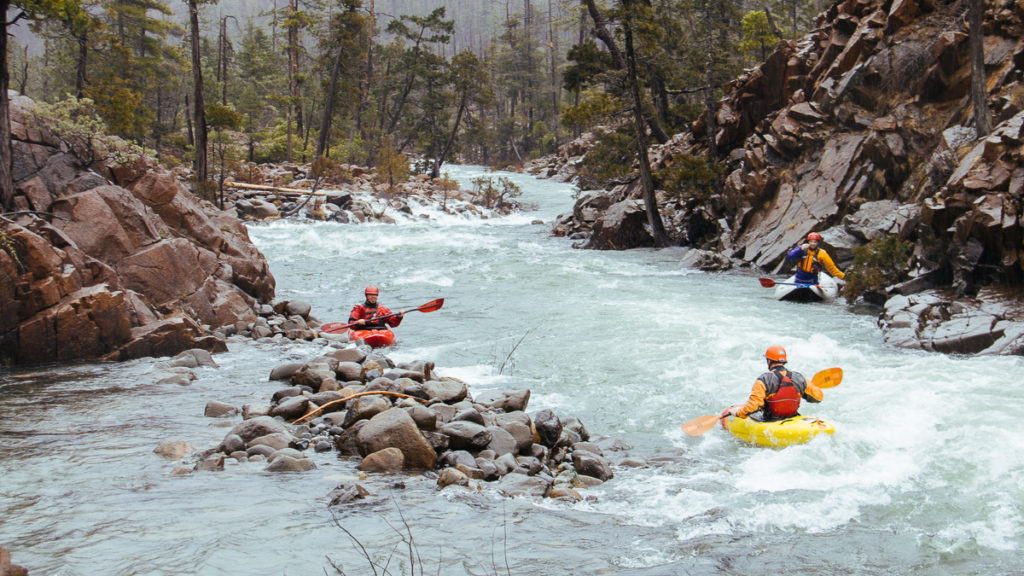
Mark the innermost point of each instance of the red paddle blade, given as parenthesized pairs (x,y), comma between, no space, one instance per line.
(432,305)
(700,425)
(334,327)
(767,282)
(828,378)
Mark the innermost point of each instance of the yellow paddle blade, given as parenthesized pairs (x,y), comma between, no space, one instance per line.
(828,378)
(700,425)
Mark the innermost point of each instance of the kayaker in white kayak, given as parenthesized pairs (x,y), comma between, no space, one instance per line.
(776,394)
(810,259)
(370,316)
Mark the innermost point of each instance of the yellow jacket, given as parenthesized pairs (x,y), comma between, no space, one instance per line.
(811,261)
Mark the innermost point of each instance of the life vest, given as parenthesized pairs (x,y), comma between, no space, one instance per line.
(785,401)
(362,311)
(810,262)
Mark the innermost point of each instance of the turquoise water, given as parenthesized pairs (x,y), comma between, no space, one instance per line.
(923,475)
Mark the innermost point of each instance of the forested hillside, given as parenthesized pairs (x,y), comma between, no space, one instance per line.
(385,82)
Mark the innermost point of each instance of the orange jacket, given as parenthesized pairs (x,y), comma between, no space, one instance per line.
(767,385)
(361,311)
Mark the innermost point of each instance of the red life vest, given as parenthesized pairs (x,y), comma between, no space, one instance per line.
(785,401)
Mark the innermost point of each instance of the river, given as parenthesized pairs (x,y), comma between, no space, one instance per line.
(924,475)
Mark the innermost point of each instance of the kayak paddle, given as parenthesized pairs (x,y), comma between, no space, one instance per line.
(338,327)
(769,283)
(828,378)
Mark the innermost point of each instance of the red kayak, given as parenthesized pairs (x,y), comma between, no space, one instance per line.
(373,338)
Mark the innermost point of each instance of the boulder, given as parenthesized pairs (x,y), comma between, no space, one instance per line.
(463,435)
(506,401)
(395,428)
(389,459)
(259,426)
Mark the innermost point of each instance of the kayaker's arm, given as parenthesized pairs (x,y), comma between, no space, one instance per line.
(797,253)
(829,265)
(813,394)
(754,403)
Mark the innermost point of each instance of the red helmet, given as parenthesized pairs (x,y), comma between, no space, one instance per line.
(371,290)
(814,236)
(776,353)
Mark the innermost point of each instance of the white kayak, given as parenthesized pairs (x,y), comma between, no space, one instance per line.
(825,290)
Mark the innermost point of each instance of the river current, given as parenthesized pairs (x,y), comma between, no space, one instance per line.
(924,475)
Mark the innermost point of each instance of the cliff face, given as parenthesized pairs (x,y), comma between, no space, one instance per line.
(115,261)
(861,129)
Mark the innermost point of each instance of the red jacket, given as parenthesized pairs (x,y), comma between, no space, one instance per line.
(361,311)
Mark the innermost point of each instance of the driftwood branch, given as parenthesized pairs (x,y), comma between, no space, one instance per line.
(277,189)
(309,415)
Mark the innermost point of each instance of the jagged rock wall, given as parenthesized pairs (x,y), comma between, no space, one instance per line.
(115,261)
(872,106)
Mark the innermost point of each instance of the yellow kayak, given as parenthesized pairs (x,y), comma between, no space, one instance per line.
(795,430)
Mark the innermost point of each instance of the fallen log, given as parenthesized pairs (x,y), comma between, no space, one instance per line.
(277,189)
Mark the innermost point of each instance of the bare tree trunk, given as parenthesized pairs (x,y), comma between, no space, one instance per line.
(646,181)
(364,87)
(80,65)
(601,30)
(325,122)
(555,87)
(24,71)
(979,83)
(6,154)
(199,113)
(293,64)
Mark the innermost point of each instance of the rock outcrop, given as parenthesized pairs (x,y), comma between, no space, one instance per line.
(115,261)
(863,127)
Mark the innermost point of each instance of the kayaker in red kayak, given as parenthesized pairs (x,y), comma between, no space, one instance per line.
(370,316)
(776,394)
(810,260)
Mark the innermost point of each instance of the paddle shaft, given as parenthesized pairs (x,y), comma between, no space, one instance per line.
(428,307)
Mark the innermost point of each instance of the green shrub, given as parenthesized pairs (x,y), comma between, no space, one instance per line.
(689,177)
(880,263)
(610,159)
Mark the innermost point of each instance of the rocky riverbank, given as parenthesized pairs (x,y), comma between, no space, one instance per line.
(861,130)
(390,418)
(109,256)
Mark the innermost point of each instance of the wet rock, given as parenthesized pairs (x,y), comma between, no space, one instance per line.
(364,408)
(513,485)
(193,359)
(285,393)
(465,435)
(395,428)
(212,463)
(215,409)
(548,427)
(425,418)
(250,411)
(506,401)
(349,371)
(448,392)
(502,442)
(353,355)
(259,426)
(260,450)
(387,460)
(289,464)
(291,408)
(276,440)
(451,477)
(469,415)
(590,464)
(345,493)
(173,449)
(231,443)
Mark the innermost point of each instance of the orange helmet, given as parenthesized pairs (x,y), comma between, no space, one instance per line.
(814,236)
(371,290)
(776,353)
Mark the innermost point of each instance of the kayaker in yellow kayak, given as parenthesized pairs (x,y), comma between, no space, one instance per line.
(811,259)
(776,394)
(370,316)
